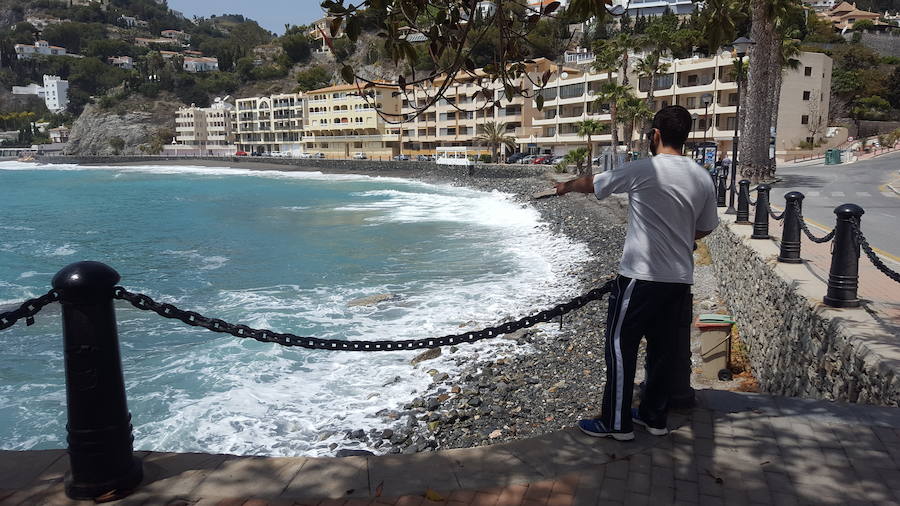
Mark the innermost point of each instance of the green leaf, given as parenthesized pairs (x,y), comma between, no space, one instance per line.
(551,8)
(335,25)
(347,74)
(539,102)
(354,28)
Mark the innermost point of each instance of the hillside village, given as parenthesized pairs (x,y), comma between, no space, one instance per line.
(136,77)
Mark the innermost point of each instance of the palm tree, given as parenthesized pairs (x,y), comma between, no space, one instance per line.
(649,67)
(587,128)
(719,20)
(632,111)
(494,134)
(612,94)
(577,157)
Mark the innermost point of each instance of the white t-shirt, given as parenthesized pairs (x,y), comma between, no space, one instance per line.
(670,198)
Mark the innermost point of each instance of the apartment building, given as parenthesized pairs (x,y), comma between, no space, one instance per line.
(206,130)
(55,92)
(458,118)
(690,83)
(343,120)
(272,124)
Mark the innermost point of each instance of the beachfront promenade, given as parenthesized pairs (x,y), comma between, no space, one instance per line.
(735,448)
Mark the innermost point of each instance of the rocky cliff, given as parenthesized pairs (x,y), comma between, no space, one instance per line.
(123,129)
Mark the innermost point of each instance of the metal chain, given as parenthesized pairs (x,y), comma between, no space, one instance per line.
(894,275)
(27,310)
(144,302)
(829,236)
(777,217)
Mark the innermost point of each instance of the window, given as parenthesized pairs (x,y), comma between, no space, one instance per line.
(807,71)
(804,120)
(691,102)
(806,95)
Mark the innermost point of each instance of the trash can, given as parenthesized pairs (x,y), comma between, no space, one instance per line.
(838,156)
(715,342)
(829,157)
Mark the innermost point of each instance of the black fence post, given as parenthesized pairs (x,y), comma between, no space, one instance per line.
(761,216)
(743,207)
(721,192)
(102,463)
(790,232)
(843,277)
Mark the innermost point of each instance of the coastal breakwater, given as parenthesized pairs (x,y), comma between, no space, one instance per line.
(796,345)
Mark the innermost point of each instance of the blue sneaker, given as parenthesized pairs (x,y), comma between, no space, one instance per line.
(596,428)
(636,418)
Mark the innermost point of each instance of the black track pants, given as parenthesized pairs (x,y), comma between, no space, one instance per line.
(639,309)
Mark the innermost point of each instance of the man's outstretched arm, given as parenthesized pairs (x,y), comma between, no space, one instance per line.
(581,185)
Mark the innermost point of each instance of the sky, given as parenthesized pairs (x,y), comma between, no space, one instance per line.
(271,14)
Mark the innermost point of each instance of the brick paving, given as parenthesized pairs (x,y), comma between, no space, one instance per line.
(736,448)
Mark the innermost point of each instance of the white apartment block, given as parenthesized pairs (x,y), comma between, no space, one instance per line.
(55,92)
(458,117)
(804,103)
(41,47)
(270,124)
(206,130)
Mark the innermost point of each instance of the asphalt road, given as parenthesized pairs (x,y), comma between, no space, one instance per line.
(862,183)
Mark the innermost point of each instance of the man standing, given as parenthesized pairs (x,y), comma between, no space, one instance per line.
(672,203)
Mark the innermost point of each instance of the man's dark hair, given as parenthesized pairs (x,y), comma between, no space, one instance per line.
(674,125)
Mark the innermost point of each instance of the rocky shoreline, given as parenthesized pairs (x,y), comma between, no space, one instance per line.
(525,395)
(558,381)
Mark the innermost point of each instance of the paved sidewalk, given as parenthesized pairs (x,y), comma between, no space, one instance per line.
(880,293)
(734,449)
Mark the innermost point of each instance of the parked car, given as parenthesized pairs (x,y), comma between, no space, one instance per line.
(557,160)
(401,158)
(528,159)
(359,155)
(281,154)
(306,155)
(241,153)
(319,155)
(424,158)
(542,160)
(256,153)
(515,158)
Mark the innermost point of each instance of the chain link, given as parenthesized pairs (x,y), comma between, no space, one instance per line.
(27,310)
(829,236)
(777,217)
(864,244)
(144,302)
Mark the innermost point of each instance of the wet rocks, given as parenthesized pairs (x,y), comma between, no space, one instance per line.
(372,300)
(431,354)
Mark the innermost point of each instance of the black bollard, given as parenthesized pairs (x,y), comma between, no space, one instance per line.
(721,194)
(743,207)
(790,232)
(102,463)
(843,277)
(761,216)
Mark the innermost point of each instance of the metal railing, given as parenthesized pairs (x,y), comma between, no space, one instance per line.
(847,238)
(103,466)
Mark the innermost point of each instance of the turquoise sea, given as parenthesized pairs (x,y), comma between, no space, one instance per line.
(278,250)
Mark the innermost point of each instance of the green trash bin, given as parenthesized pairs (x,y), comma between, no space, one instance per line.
(838,154)
(828,156)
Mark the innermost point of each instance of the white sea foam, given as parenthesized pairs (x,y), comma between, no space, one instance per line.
(260,399)
(294,208)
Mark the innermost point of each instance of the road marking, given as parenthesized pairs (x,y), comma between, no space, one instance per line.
(813,194)
(863,194)
(889,194)
(837,194)
(880,251)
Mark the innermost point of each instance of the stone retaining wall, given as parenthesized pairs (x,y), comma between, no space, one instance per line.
(373,167)
(796,345)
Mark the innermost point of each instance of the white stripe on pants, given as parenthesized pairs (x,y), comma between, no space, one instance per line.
(617,348)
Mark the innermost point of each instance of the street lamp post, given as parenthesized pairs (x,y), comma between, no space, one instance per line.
(741,46)
(694,117)
(705,99)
